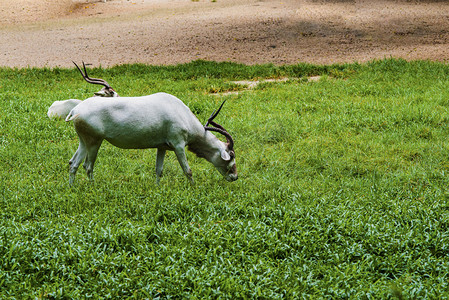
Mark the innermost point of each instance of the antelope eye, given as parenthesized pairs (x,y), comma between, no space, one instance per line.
(231,168)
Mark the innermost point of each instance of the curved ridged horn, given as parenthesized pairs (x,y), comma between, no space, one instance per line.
(218,128)
(92,80)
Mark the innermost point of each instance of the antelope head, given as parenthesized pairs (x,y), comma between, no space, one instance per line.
(106,91)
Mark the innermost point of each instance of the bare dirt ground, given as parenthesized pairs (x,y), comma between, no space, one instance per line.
(53,33)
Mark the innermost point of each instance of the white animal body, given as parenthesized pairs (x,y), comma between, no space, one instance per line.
(60,109)
(159,121)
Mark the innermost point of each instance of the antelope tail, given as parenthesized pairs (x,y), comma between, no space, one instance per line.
(70,117)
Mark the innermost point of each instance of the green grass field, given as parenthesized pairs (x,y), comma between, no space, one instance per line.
(342,190)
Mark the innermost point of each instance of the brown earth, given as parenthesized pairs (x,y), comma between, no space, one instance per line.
(53,33)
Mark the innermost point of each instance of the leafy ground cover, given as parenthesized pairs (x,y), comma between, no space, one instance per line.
(342,189)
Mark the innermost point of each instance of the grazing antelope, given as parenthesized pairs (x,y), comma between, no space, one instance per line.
(159,121)
(60,109)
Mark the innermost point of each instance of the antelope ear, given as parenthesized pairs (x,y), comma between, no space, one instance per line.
(225,155)
(100,93)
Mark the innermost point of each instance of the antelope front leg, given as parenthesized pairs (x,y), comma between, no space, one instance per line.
(159,164)
(182,159)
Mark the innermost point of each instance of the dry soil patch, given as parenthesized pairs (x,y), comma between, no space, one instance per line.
(53,33)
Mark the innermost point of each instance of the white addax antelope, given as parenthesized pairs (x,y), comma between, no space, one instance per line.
(159,121)
(60,109)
